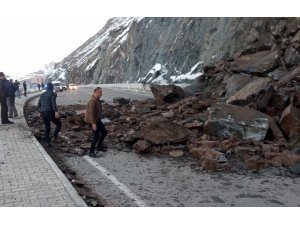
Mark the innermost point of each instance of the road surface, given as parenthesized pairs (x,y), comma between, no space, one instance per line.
(124,178)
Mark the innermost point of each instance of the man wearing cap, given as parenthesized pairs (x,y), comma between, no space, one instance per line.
(3,95)
(49,112)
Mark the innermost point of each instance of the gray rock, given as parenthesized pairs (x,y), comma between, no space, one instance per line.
(121,101)
(167,93)
(176,153)
(226,121)
(236,82)
(295,169)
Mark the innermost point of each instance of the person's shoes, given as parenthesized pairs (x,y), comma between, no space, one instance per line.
(8,122)
(48,145)
(93,155)
(102,149)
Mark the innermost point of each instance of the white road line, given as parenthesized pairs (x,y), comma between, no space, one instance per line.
(113,179)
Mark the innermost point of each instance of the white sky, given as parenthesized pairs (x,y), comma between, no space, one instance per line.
(36,32)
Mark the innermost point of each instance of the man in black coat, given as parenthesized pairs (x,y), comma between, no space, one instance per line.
(3,95)
(49,112)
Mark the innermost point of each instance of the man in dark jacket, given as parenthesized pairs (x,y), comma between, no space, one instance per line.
(25,88)
(10,99)
(3,95)
(49,112)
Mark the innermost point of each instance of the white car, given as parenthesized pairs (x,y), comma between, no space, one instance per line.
(72,87)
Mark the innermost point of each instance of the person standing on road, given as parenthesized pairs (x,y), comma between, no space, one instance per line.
(3,95)
(49,112)
(25,88)
(16,85)
(10,99)
(93,117)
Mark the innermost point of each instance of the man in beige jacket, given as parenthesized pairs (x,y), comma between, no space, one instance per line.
(93,117)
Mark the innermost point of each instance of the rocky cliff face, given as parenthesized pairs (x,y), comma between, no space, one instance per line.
(165,50)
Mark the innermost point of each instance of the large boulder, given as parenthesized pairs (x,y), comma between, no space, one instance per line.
(226,121)
(167,93)
(258,91)
(164,132)
(260,62)
(290,121)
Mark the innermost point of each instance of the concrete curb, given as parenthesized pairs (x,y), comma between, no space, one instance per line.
(67,185)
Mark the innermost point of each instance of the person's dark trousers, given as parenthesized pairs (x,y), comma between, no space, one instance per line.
(25,92)
(99,136)
(4,110)
(48,117)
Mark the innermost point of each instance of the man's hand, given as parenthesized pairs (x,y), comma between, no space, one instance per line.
(94,127)
(56,115)
(40,115)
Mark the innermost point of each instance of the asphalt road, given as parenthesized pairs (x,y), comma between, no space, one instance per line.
(128,179)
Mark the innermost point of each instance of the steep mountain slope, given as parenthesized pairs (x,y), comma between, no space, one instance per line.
(164,50)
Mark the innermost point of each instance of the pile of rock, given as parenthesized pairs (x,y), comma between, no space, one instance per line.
(247,107)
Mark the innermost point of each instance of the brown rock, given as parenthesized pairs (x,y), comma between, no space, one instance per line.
(111,128)
(259,62)
(296,37)
(277,133)
(163,132)
(288,77)
(228,121)
(296,99)
(169,114)
(76,128)
(258,91)
(208,144)
(255,163)
(198,105)
(243,152)
(133,136)
(290,121)
(279,100)
(194,125)
(152,114)
(85,146)
(291,57)
(204,152)
(142,146)
(227,144)
(176,153)
(237,82)
(285,158)
(210,164)
(167,93)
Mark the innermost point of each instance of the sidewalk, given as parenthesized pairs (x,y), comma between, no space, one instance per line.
(28,176)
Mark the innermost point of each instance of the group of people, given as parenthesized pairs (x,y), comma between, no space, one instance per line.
(8,89)
(49,113)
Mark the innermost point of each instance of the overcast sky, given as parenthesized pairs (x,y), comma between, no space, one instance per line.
(36,32)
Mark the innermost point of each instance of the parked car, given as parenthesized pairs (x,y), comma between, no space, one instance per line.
(72,87)
(64,86)
(57,86)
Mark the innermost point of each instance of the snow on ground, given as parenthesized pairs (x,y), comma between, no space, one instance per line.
(188,76)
